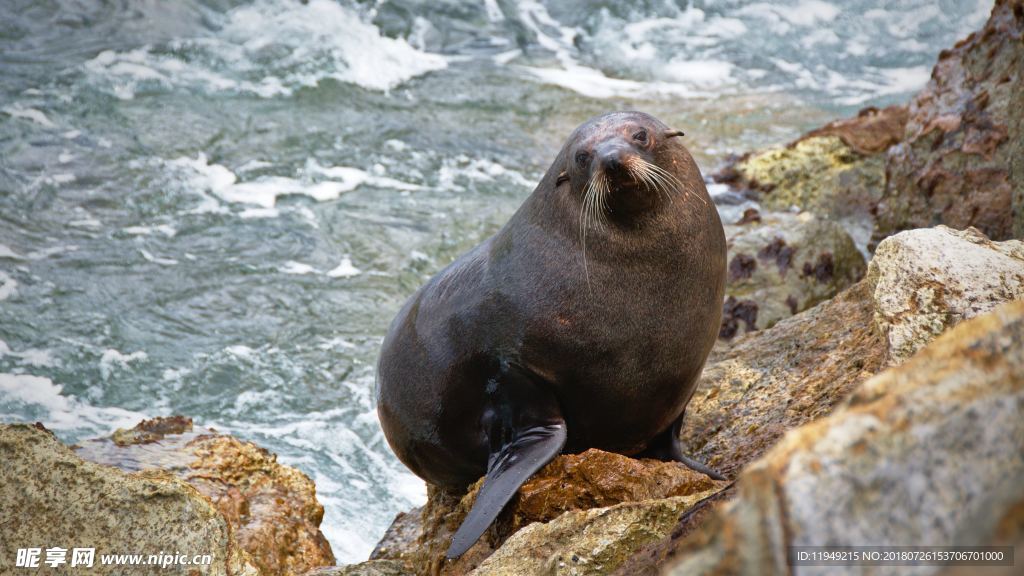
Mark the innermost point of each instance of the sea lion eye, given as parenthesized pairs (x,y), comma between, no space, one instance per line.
(582,157)
(640,136)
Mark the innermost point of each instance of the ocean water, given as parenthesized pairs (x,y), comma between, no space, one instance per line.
(214,208)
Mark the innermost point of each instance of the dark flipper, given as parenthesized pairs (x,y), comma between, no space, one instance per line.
(515,464)
(526,431)
(666,447)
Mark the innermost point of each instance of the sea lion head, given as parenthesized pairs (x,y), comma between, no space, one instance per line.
(623,164)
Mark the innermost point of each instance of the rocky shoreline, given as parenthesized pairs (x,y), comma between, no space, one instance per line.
(867,388)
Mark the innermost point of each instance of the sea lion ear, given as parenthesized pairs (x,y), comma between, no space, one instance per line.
(673,133)
(563,177)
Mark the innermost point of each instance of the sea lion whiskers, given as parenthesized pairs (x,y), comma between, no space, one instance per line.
(666,179)
(640,170)
(595,202)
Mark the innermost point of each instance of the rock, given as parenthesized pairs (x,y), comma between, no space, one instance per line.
(765,383)
(870,132)
(53,498)
(399,542)
(820,174)
(954,163)
(597,479)
(930,452)
(925,281)
(782,264)
(836,172)
(587,542)
(271,508)
(368,568)
(954,156)
(576,482)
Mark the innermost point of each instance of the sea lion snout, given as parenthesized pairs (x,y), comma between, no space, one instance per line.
(613,156)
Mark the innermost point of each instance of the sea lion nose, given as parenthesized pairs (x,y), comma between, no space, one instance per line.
(613,158)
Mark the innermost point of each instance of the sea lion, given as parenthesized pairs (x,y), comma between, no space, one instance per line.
(583,323)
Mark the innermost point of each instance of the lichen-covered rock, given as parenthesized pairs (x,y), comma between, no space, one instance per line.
(272,508)
(964,130)
(52,498)
(783,264)
(817,173)
(593,479)
(930,452)
(587,542)
(836,172)
(925,281)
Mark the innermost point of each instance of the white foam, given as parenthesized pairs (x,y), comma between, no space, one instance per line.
(256,213)
(293,267)
(59,412)
(680,77)
(458,169)
(32,114)
(156,259)
(253,165)
(265,191)
(86,223)
(241,351)
(337,342)
(345,269)
(165,229)
(51,251)
(8,286)
(114,360)
(270,48)
(6,252)
(31,356)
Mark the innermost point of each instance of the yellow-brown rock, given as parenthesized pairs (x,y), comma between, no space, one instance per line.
(271,508)
(52,498)
(570,483)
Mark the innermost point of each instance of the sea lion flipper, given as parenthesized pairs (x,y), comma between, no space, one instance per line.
(667,447)
(531,449)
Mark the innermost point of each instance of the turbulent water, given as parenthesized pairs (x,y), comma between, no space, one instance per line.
(214,208)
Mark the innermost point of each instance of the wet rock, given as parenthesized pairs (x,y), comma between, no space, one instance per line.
(925,281)
(271,508)
(54,498)
(930,452)
(964,130)
(569,484)
(783,264)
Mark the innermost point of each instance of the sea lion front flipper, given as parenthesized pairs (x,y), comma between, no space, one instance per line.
(526,430)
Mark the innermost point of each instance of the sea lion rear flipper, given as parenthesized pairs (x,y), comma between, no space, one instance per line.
(529,416)
(667,447)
